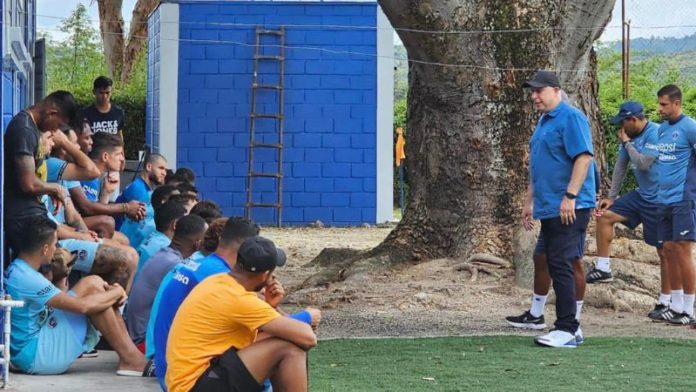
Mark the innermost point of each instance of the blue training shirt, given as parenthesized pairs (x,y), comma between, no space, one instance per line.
(560,136)
(26,284)
(676,168)
(646,143)
(151,245)
(137,231)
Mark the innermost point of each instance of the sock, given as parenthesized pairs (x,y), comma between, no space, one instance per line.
(689,304)
(578,309)
(664,299)
(677,304)
(603,264)
(538,303)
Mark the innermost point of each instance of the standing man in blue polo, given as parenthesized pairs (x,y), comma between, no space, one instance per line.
(561,194)
(676,193)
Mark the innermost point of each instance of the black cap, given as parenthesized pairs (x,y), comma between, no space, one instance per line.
(542,79)
(259,254)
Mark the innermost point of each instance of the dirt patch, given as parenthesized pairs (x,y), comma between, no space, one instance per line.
(434,299)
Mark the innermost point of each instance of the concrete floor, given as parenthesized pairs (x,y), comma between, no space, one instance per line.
(84,375)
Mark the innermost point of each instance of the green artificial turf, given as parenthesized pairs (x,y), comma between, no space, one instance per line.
(502,363)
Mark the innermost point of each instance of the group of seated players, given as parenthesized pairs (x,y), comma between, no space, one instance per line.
(174,288)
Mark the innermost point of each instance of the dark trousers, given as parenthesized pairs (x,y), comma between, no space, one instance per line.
(561,250)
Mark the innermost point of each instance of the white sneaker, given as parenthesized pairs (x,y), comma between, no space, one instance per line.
(579,339)
(557,338)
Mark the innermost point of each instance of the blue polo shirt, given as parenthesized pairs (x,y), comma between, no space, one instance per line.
(171,294)
(676,168)
(645,143)
(152,244)
(560,136)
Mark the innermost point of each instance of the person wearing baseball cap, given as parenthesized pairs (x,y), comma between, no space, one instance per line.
(561,194)
(226,313)
(639,139)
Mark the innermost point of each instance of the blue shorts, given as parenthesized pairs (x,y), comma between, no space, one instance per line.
(677,222)
(86,253)
(541,246)
(63,338)
(636,210)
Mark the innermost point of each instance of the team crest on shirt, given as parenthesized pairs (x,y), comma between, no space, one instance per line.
(52,322)
(675,135)
(82,254)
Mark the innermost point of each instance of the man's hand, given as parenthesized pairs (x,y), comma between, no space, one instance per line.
(603,206)
(527,220)
(567,211)
(274,293)
(111,183)
(57,194)
(316,316)
(135,210)
(622,135)
(86,236)
(60,139)
(123,296)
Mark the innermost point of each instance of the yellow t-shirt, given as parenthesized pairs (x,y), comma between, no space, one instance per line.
(218,314)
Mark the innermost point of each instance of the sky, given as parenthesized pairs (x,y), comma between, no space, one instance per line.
(649,17)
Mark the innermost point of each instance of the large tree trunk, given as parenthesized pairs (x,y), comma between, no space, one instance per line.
(469,126)
(137,35)
(111,27)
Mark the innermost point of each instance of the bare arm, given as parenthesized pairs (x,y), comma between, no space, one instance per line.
(72,217)
(291,330)
(89,208)
(90,304)
(580,167)
(29,183)
(82,168)
(618,176)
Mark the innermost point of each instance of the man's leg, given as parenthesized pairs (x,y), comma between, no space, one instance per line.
(104,225)
(605,235)
(534,317)
(281,361)
(111,326)
(116,265)
(665,285)
(686,267)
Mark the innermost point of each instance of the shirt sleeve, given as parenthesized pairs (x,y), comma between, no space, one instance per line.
(577,138)
(650,145)
(36,289)
(55,167)
(253,313)
(21,141)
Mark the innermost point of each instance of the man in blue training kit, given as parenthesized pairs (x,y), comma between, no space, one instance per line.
(638,139)
(676,194)
(561,194)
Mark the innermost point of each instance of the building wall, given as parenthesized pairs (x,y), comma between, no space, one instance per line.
(330,107)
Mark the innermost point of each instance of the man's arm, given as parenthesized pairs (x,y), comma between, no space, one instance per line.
(82,168)
(618,176)
(88,208)
(291,330)
(73,218)
(580,167)
(90,304)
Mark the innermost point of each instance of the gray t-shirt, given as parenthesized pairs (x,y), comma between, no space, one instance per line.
(145,288)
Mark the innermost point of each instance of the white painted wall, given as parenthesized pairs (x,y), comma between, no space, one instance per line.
(169,81)
(385,118)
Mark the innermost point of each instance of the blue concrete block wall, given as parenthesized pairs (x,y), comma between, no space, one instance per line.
(330,107)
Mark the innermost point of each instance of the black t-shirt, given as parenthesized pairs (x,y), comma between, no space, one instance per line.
(22,138)
(110,122)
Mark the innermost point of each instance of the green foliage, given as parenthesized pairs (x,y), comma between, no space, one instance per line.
(74,62)
(647,76)
(496,363)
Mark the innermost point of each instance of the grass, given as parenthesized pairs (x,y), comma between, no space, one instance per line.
(502,364)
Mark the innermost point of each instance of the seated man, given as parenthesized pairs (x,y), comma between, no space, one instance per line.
(166,217)
(213,343)
(188,238)
(54,328)
(188,194)
(107,154)
(141,189)
(208,210)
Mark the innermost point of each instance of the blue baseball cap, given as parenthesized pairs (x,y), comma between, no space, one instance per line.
(628,109)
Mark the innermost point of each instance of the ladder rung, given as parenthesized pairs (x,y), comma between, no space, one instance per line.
(270,32)
(276,175)
(267,86)
(266,145)
(266,115)
(265,57)
(263,205)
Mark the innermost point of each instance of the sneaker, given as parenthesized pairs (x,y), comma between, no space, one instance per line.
(557,339)
(526,321)
(579,339)
(656,313)
(90,354)
(679,318)
(599,276)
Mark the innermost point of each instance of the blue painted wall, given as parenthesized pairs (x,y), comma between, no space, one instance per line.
(330,108)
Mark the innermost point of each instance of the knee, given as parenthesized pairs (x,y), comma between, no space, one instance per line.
(93,284)
(106,224)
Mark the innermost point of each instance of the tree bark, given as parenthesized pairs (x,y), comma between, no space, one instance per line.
(111,28)
(137,35)
(469,126)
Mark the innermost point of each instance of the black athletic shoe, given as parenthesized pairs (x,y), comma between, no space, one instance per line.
(656,314)
(90,354)
(679,318)
(598,276)
(526,321)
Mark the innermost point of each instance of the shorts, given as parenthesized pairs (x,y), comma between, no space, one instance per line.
(227,373)
(540,247)
(63,338)
(86,253)
(677,222)
(636,210)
